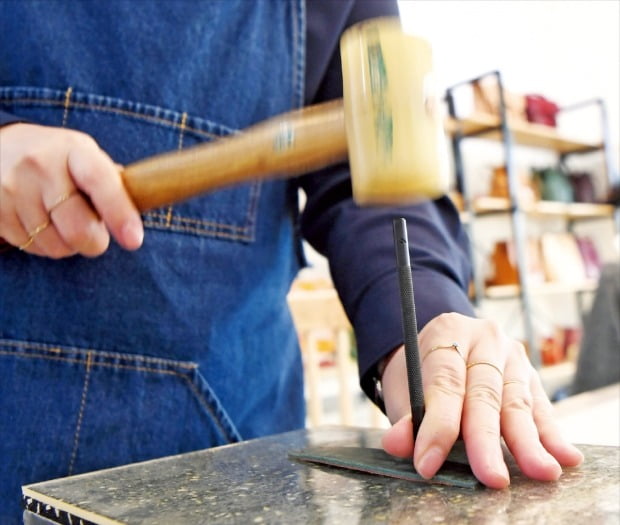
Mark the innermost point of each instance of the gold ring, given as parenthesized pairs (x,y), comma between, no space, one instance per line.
(453,346)
(33,234)
(60,200)
(475,363)
(26,244)
(39,228)
(513,381)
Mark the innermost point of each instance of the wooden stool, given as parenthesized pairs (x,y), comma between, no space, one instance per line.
(320,318)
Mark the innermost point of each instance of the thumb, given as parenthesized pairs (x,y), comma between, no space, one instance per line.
(398,440)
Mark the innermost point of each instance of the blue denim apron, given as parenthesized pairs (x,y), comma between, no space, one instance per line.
(186,343)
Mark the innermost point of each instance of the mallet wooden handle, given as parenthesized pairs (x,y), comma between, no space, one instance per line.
(286,145)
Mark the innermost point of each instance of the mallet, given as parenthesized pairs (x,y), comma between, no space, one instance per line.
(386,123)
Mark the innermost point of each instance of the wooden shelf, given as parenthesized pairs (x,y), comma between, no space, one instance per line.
(566,210)
(523,133)
(508,291)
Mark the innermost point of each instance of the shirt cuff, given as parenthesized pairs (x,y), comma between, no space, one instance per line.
(378,320)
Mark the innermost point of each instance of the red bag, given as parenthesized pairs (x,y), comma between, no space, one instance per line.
(540,110)
(591,260)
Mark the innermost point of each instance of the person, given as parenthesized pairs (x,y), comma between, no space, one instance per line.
(598,361)
(126,337)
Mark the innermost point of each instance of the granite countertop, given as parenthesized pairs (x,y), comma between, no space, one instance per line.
(256,482)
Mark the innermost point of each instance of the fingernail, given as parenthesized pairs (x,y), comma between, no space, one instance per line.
(578,455)
(430,462)
(133,233)
(501,471)
(552,466)
(500,477)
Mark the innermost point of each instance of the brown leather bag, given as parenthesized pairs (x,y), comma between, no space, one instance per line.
(504,263)
(528,192)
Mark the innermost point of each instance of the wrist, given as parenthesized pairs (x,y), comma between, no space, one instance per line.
(378,378)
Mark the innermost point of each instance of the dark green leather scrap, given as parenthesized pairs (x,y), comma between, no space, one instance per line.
(455,471)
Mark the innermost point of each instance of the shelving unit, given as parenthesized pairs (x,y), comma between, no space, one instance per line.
(566,210)
(510,132)
(535,135)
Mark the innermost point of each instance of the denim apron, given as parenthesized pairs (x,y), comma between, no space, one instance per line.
(186,343)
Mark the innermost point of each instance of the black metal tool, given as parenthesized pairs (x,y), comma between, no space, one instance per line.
(410,326)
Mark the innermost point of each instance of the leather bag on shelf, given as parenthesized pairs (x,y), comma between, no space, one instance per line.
(553,184)
(572,340)
(486,100)
(589,254)
(528,192)
(583,186)
(503,264)
(562,259)
(562,345)
(551,351)
(540,110)
(503,261)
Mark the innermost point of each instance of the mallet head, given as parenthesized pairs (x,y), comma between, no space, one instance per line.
(395,137)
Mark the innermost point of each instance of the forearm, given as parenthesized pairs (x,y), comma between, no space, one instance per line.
(359,246)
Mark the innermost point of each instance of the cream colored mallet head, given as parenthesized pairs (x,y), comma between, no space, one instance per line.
(397,147)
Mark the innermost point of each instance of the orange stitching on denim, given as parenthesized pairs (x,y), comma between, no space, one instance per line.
(254,198)
(115,366)
(90,365)
(112,355)
(214,417)
(76,438)
(201,222)
(198,231)
(108,109)
(179,147)
(182,130)
(67,104)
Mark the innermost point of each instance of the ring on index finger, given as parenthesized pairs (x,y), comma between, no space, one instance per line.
(32,234)
(453,346)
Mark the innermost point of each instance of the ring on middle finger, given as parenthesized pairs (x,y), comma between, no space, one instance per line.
(39,229)
(476,363)
(514,382)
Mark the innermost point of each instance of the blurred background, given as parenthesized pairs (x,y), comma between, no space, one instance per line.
(543,253)
(567,50)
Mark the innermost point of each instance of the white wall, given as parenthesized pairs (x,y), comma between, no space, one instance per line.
(567,50)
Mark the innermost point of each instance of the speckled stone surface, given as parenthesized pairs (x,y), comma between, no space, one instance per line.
(256,482)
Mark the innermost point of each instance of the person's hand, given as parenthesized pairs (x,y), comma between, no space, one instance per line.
(61,195)
(486,390)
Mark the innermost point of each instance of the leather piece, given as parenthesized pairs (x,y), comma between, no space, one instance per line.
(455,471)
